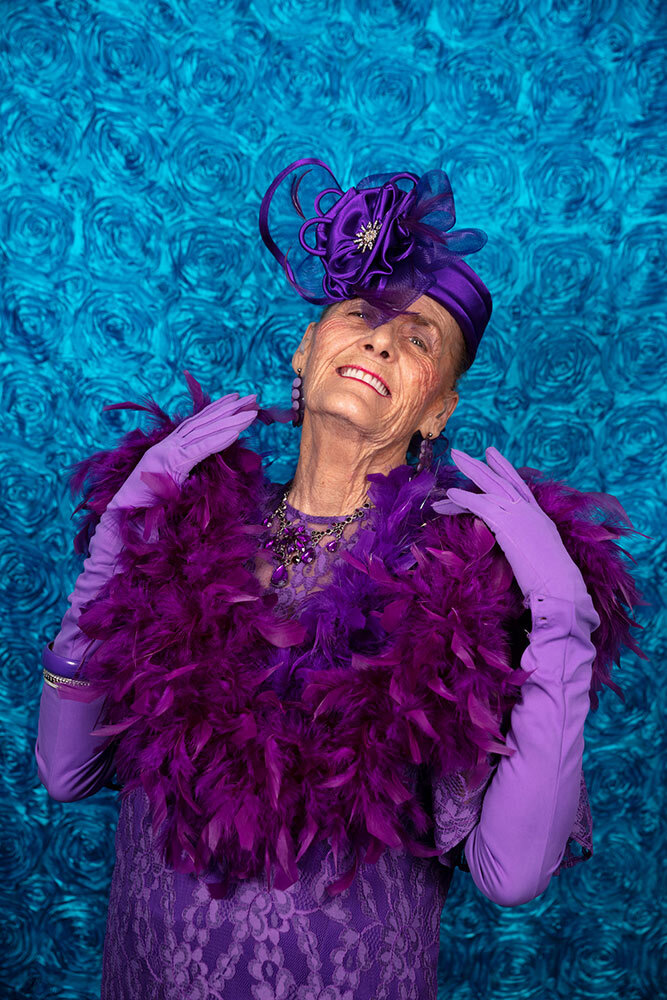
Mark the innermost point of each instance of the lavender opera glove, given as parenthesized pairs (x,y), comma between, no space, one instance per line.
(530,805)
(527,536)
(70,762)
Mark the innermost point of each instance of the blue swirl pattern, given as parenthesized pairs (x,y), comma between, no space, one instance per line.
(137,141)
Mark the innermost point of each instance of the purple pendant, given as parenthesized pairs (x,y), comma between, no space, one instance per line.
(278,575)
(332,546)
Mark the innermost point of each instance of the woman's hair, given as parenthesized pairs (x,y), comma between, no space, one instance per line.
(460,367)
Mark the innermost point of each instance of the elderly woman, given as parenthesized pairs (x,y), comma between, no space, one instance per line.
(321,697)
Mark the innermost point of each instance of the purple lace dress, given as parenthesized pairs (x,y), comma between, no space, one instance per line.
(168,939)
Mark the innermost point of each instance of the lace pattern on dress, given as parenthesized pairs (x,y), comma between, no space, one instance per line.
(582,832)
(457,806)
(167,939)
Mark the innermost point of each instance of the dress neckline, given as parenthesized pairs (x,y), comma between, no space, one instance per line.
(317,518)
(293,513)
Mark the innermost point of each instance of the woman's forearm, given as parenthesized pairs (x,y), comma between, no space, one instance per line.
(71,763)
(530,804)
(98,568)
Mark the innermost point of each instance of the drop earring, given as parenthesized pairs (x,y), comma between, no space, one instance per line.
(297,400)
(425,453)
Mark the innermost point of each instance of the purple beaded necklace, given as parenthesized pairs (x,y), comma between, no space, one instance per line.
(295,543)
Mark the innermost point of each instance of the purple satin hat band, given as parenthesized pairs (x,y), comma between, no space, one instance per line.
(389,240)
(463,294)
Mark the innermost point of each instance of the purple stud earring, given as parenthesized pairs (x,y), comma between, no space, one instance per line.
(297,400)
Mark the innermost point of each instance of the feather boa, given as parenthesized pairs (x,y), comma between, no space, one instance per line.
(254,735)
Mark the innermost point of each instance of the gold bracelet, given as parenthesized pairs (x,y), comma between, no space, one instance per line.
(54,680)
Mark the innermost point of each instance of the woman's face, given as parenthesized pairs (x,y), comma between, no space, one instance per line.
(412,354)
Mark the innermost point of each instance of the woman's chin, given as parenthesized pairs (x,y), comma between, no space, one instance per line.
(361,414)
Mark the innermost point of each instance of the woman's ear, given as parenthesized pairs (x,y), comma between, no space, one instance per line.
(300,356)
(437,421)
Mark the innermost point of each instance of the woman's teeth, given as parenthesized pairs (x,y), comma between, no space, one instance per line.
(357,373)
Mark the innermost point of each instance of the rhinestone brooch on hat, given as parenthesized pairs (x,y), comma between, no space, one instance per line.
(367,235)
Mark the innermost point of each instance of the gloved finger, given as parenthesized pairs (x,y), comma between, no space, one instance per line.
(212,415)
(216,406)
(484,505)
(448,507)
(502,465)
(480,474)
(248,403)
(212,434)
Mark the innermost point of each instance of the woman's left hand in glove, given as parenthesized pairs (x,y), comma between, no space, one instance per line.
(527,536)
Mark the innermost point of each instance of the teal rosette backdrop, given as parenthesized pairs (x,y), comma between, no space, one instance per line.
(137,140)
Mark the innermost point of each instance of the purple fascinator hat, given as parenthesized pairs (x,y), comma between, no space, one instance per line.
(388,240)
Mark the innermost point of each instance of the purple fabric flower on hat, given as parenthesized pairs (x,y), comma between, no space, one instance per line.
(361,237)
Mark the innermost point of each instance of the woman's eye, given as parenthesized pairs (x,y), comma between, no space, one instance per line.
(360,312)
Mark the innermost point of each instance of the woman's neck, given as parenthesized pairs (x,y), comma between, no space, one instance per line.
(330,477)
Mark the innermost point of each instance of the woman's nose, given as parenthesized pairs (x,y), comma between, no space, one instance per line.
(381,340)
(384,353)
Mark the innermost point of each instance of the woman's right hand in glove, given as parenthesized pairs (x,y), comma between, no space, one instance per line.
(211,430)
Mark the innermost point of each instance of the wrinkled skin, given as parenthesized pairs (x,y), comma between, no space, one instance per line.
(350,430)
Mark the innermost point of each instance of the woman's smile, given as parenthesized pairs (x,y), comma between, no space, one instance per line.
(363,375)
